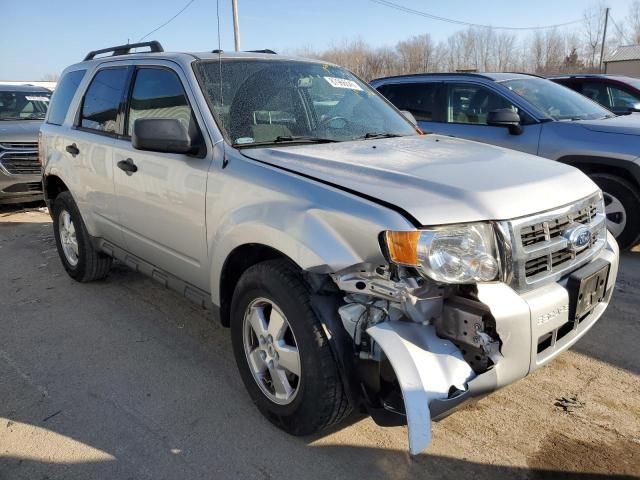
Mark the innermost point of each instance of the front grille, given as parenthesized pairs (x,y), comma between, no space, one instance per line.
(541,250)
(20,158)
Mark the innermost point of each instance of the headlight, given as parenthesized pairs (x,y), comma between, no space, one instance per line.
(452,254)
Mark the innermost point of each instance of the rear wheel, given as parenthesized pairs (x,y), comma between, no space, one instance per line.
(282,352)
(622,207)
(79,258)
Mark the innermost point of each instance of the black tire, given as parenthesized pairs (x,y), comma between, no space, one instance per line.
(630,199)
(91,264)
(320,401)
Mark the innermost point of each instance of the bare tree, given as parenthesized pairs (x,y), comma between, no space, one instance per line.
(593,27)
(416,54)
(633,21)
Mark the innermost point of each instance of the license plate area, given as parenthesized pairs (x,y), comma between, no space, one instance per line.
(587,288)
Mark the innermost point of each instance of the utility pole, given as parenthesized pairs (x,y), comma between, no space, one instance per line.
(604,36)
(236,27)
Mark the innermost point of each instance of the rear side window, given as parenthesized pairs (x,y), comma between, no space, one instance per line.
(102,101)
(417,98)
(158,93)
(62,96)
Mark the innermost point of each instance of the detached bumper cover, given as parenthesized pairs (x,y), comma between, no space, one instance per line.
(427,367)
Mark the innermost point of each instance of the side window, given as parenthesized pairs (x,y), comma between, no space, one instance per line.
(102,101)
(417,98)
(158,93)
(622,99)
(467,103)
(597,92)
(62,96)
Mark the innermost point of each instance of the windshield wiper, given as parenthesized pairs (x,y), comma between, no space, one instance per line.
(369,135)
(287,139)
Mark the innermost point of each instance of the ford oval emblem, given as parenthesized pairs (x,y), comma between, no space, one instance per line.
(579,238)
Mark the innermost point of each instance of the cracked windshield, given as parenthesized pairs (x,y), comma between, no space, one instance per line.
(270,103)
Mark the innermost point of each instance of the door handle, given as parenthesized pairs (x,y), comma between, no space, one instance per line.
(128,166)
(72,149)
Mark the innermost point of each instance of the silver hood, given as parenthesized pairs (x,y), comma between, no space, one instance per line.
(19,130)
(437,180)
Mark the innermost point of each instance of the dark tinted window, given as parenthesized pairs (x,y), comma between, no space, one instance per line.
(158,93)
(62,96)
(102,100)
(596,92)
(417,98)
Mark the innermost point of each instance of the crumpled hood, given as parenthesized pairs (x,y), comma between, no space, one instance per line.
(19,130)
(624,124)
(436,179)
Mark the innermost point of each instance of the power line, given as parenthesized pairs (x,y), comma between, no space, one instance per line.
(168,21)
(468,24)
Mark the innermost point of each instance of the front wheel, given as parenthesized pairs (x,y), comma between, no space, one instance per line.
(622,208)
(282,352)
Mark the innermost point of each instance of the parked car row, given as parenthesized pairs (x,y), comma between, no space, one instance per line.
(359,263)
(537,116)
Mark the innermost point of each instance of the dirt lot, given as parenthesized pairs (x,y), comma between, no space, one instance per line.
(122,379)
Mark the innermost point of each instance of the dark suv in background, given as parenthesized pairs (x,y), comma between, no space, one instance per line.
(534,115)
(618,93)
(22,110)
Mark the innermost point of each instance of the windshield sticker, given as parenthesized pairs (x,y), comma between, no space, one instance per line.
(342,83)
(37,99)
(243,140)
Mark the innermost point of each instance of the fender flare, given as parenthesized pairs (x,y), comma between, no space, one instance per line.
(630,167)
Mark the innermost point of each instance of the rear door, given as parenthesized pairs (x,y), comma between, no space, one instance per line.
(89,151)
(162,204)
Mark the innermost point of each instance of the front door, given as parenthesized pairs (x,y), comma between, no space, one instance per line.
(465,115)
(162,204)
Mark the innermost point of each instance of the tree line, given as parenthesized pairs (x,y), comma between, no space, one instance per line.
(551,51)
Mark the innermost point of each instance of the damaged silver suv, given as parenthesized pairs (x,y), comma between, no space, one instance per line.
(360,264)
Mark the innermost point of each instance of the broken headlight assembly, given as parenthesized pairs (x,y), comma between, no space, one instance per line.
(457,254)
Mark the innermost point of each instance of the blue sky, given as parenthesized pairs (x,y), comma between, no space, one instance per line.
(40,37)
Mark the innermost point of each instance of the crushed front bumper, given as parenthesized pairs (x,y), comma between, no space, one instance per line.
(533,327)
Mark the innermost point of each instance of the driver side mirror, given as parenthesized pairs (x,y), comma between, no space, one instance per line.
(165,135)
(633,107)
(409,116)
(505,117)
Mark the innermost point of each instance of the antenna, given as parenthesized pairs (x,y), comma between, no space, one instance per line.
(236,25)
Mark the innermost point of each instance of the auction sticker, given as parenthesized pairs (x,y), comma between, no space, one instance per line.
(37,99)
(342,83)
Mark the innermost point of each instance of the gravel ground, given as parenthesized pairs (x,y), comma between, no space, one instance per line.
(123,379)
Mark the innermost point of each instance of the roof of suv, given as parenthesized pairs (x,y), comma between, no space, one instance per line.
(619,78)
(23,88)
(492,76)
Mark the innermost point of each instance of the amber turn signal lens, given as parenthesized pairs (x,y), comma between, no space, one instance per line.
(403,247)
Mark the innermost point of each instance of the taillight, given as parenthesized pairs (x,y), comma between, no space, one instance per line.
(40,149)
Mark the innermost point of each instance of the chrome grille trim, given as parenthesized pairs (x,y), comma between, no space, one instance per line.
(540,254)
(19,158)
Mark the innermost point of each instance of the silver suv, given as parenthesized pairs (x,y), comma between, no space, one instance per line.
(22,109)
(359,264)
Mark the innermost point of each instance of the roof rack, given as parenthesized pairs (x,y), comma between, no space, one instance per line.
(264,50)
(154,46)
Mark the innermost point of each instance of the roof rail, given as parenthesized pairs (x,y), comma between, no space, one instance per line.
(154,46)
(264,50)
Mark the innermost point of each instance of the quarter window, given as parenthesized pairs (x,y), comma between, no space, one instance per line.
(62,96)
(471,104)
(158,93)
(102,101)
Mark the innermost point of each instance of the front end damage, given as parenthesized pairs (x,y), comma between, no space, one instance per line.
(418,350)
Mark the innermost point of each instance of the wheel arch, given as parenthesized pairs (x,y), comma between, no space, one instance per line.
(624,169)
(236,263)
